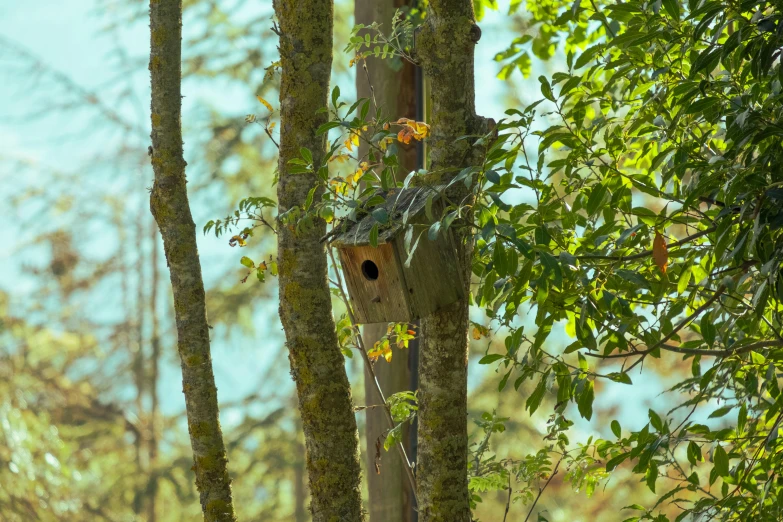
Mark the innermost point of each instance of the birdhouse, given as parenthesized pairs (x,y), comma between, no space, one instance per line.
(381,287)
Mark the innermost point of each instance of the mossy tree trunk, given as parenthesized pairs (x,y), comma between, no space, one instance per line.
(170,207)
(390,498)
(445,46)
(317,365)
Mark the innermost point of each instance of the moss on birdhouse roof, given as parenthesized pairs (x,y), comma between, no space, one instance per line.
(397,202)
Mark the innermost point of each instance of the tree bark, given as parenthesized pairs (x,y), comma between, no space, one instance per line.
(445,47)
(152,486)
(300,488)
(395,91)
(317,365)
(170,207)
(139,364)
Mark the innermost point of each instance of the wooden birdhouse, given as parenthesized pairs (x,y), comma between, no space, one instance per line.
(382,289)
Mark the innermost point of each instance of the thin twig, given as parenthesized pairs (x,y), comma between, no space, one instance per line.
(368,365)
(541,490)
(662,343)
(508,500)
(646,253)
(372,89)
(268,133)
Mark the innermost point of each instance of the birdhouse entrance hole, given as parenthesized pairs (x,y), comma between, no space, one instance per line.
(370,270)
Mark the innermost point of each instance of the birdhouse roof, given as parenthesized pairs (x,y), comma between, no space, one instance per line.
(398,201)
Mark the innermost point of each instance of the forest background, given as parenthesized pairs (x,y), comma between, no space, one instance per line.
(91,409)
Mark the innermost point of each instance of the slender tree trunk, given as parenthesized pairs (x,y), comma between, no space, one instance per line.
(317,365)
(170,207)
(445,46)
(139,366)
(395,91)
(152,487)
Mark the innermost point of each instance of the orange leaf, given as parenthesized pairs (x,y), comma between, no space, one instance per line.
(659,252)
(405,135)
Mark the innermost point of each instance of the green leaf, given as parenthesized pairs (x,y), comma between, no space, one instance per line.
(652,475)
(585,404)
(721,461)
(434,231)
(394,436)
(720,412)
(708,331)
(546,89)
(310,196)
(551,268)
(616,429)
(335,95)
(616,461)
(582,362)
(504,380)
(623,377)
(534,400)
(246,261)
(633,277)
(374,235)
(490,358)
(694,453)
(380,215)
(685,278)
(588,55)
(655,420)
(597,195)
(306,154)
(673,8)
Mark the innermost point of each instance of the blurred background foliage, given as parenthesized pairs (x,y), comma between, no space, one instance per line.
(91,411)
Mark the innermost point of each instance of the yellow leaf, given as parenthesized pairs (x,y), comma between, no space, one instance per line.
(421,130)
(271,126)
(237,240)
(265,104)
(476,333)
(660,253)
(351,142)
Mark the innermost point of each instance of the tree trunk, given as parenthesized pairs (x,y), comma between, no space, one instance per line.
(390,499)
(152,487)
(300,488)
(317,365)
(139,365)
(445,46)
(170,207)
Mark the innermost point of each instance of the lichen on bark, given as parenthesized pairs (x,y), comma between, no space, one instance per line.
(445,47)
(317,365)
(170,207)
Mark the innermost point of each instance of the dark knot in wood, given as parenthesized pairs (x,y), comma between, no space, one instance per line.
(475,33)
